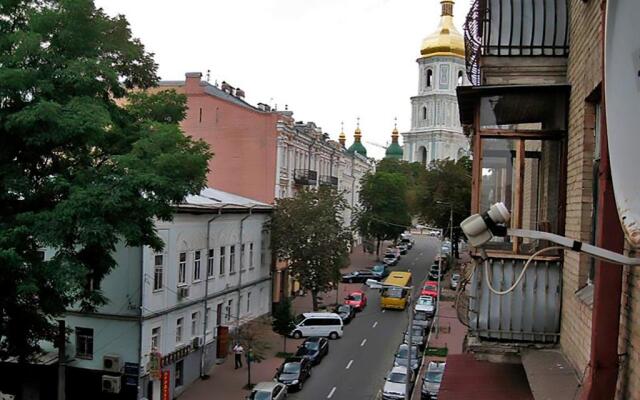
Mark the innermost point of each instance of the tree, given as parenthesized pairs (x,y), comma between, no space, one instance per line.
(414,174)
(282,321)
(447,189)
(78,171)
(251,336)
(383,213)
(308,232)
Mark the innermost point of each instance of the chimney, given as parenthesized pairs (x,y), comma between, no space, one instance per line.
(192,83)
(240,93)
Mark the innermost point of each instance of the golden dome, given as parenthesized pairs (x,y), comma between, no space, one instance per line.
(446,40)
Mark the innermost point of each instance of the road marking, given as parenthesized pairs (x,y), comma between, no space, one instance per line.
(349,365)
(375,324)
(363,342)
(331,393)
(383,310)
(420,254)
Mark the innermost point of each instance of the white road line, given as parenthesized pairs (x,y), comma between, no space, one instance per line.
(349,365)
(383,310)
(375,324)
(331,393)
(363,342)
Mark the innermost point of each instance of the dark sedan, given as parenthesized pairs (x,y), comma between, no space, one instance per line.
(294,371)
(360,276)
(314,349)
(346,312)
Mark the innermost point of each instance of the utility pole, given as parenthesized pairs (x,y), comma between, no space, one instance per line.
(62,342)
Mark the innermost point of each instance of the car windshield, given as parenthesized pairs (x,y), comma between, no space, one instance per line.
(260,395)
(393,292)
(434,377)
(312,345)
(455,277)
(389,255)
(298,319)
(343,309)
(417,331)
(354,297)
(291,368)
(430,288)
(402,353)
(377,268)
(396,377)
(420,316)
(424,301)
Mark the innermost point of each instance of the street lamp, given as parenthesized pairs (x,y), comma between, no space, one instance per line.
(374,284)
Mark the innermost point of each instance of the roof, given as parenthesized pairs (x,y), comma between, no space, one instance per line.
(214,199)
(266,386)
(394,151)
(217,92)
(357,147)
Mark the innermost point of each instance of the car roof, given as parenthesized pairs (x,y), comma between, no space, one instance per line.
(267,386)
(356,292)
(399,369)
(320,315)
(435,366)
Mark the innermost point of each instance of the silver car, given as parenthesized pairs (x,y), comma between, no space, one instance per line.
(395,384)
(268,391)
(432,379)
(455,281)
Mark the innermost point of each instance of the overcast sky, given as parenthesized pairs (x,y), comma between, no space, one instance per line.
(328,60)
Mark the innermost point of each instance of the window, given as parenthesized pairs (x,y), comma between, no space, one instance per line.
(424,112)
(179,373)
(249,302)
(460,78)
(182,268)
(243,259)
(228,310)
(429,78)
(595,186)
(232,259)
(194,323)
(251,255)
(200,119)
(262,251)
(222,260)
(179,322)
(158,271)
(196,265)
(210,262)
(84,343)
(219,314)
(155,338)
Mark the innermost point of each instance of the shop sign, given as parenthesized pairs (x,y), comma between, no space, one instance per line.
(166,385)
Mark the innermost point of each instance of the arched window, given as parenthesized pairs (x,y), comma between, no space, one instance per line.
(460,78)
(429,78)
(424,112)
(423,156)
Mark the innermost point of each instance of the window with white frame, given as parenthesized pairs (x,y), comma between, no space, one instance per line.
(84,343)
(196,265)
(232,259)
(210,264)
(243,259)
(158,271)
(155,338)
(195,316)
(227,316)
(182,268)
(222,260)
(251,255)
(179,325)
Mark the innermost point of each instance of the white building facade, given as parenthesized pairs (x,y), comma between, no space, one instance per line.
(436,132)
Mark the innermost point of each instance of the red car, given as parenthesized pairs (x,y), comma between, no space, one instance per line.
(430,288)
(357,300)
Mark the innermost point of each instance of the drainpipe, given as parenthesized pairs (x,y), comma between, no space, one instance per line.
(140,322)
(603,365)
(203,355)
(241,267)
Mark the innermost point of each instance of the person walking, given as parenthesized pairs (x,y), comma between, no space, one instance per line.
(238,350)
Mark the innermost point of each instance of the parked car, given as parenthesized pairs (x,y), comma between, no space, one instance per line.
(426,304)
(314,349)
(432,379)
(346,312)
(430,288)
(407,242)
(435,272)
(403,248)
(390,259)
(455,281)
(318,324)
(268,391)
(381,270)
(395,383)
(420,318)
(359,276)
(402,356)
(293,372)
(418,336)
(357,300)
(393,250)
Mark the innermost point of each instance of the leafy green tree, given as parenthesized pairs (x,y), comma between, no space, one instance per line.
(384,212)
(251,336)
(415,175)
(282,320)
(78,171)
(308,232)
(447,188)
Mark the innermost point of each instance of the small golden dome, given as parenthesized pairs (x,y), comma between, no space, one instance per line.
(446,40)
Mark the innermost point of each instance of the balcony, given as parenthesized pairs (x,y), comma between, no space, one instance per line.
(327,180)
(305,177)
(505,39)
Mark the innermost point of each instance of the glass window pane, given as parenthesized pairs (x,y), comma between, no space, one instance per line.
(523,111)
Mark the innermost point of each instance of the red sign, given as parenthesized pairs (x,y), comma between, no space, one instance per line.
(166,385)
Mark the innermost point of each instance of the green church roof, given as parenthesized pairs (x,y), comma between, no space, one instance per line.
(357,147)
(394,151)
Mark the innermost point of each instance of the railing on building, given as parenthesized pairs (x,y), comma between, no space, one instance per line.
(328,180)
(514,28)
(305,177)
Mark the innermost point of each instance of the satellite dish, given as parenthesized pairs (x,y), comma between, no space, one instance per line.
(622,96)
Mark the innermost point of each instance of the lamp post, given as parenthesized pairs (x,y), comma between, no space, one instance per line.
(374,284)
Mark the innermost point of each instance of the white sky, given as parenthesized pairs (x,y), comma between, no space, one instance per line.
(328,60)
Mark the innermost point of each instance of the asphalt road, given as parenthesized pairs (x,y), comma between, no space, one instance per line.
(358,362)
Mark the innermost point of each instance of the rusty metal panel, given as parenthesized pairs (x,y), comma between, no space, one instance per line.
(531,312)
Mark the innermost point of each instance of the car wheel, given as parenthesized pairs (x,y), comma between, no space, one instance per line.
(333,335)
(350,281)
(297,335)
(300,384)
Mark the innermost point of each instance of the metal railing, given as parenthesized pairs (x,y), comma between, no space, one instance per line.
(305,177)
(328,180)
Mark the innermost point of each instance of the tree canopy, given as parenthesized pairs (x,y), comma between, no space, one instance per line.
(308,232)
(79,172)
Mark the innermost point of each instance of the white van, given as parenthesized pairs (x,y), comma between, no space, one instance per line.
(317,324)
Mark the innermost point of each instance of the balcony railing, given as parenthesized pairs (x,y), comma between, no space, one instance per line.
(328,180)
(515,28)
(305,177)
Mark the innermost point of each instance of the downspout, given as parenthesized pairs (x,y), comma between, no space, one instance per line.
(203,355)
(603,365)
(241,267)
(140,322)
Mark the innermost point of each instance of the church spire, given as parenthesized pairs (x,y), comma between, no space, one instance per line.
(342,138)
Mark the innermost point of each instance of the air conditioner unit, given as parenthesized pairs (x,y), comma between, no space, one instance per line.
(197,342)
(111,363)
(110,384)
(183,292)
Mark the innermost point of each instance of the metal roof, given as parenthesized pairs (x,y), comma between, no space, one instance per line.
(214,199)
(217,92)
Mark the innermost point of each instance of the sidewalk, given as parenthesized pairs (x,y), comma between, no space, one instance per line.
(227,383)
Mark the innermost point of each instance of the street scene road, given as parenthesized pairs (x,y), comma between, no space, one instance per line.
(357,363)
